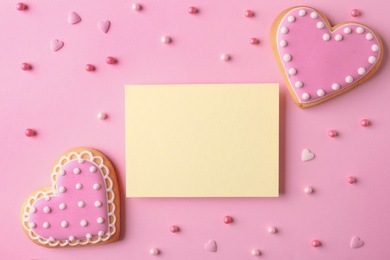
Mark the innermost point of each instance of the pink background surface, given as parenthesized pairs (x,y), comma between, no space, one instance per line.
(60,100)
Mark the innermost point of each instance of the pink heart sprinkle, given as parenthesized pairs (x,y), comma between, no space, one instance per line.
(320,62)
(104,26)
(211,246)
(73,18)
(56,45)
(356,242)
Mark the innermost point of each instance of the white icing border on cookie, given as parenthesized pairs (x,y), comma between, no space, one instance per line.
(57,169)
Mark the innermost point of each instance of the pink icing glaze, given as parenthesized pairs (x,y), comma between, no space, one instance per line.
(320,63)
(73,214)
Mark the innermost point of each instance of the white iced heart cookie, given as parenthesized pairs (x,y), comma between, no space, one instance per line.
(80,208)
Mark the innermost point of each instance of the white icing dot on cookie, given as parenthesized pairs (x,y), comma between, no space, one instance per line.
(100,220)
(291,18)
(347,30)
(84,223)
(33,209)
(96,186)
(62,189)
(282,43)
(47,209)
(47,198)
(361,71)
(292,71)
(72,238)
(338,37)
(32,225)
(101,233)
(92,169)
(298,84)
(372,59)
(76,170)
(62,206)
(46,224)
(81,161)
(81,204)
(62,172)
(326,37)
(79,186)
(287,57)
(51,239)
(88,235)
(369,36)
(360,30)
(284,30)
(305,96)
(98,204)
(349,79)
(320,92)
(302,12)
(313,15)
(335,86)
(64,224)
(375,47)
(320,25)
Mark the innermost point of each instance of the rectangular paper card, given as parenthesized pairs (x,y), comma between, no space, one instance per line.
(202,140)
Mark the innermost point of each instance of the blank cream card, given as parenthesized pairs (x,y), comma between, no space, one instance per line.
(202,140)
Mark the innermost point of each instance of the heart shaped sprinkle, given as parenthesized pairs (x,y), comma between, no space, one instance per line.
(307,155)
(318,61)
(211,246)
(356,242)
(104,26)
(56,45)
(73,18)
(80,208)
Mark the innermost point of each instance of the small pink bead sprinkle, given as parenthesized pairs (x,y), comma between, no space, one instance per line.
(21,6)
(165,39)
(110,60)
(355,12)
(136,7)
(192,10)
(364,123)
(351,179)
(89,67)
(29,132)
(254,41)
(174,229)
(225,57)
(25,66)
(315,243)
(332,133)
(227,219)
(249,13)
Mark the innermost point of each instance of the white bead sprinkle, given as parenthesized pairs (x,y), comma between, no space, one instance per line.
(320,25)
(305,96)
(313,15)
(291,18)
(360,30)
(284,30)
(347,30)
(62,189)
(326,37)
(372,59)
(92,169)
(375,47)
(32,225)
(84,223)
(98,204)
(33,209)
(47,209)
(321,92)
(72,238)
(61,172)
(338,37)
(298,84)
(62,206)
(46,224)
(349,79)
(64,224)
(81,204)
(79,186)
(88,235)
(292,71)
(369,36)
(76,170)
(96,186)
(282,43)
(302,12)
(335,86)
(361,71)
(100,220)
(101,233)
(287,57)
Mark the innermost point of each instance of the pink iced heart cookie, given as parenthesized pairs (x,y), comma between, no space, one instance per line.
(356,242)
(80,208)
(319,62)
(73,18)
(104,26)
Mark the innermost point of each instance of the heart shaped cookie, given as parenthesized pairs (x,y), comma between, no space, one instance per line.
(80,208)
(318,61)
